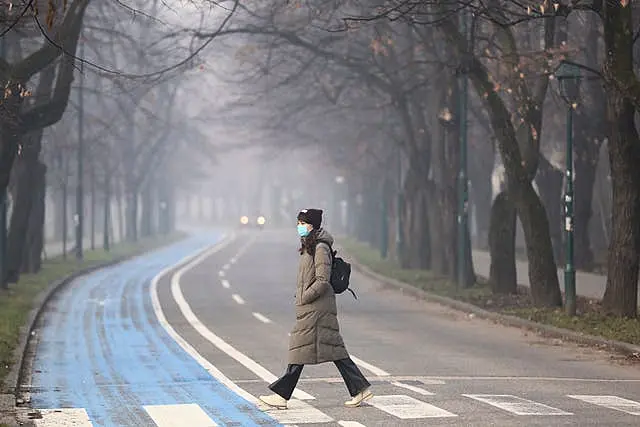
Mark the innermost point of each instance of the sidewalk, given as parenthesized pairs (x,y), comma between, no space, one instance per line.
(53,249)
(587,284)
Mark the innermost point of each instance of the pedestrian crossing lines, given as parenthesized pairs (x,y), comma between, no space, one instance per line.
(398,406)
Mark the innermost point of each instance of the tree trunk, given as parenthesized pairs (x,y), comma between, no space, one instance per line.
(543,273)
(65,205)
(171,208)
(423,233)
(621,294)
(132,215)
(440,255)
(147,212)
(26,182)
(590,132)
(121,213)
(417,243)
(9,131)
(107,213)
(502,247)
(34,241)
(92,183)
(549,180)
(586,167)
(481,168)
(587,150)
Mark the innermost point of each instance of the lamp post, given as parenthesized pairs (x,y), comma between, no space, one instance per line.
(79,217)
(384,221)
(3,207)
(463,190)
(447,122)
(568,76)
(399,202)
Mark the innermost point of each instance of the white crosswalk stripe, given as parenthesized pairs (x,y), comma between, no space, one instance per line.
(299,413)
(64,417)
(413,388)
(190,415)
(612,402)
(406,407)
(517,405)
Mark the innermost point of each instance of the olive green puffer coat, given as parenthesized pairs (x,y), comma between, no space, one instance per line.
(316,338)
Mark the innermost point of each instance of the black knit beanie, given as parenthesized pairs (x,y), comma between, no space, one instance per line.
(311,216)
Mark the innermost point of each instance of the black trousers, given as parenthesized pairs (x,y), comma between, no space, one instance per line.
(353,378)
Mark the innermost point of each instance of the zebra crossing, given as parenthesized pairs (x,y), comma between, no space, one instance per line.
(399,406)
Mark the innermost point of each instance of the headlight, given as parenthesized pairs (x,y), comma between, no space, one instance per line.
(244,220)
(261,220)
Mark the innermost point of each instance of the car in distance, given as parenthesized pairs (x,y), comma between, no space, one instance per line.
(257,222)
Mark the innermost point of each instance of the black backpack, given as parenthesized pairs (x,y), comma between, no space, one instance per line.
(340,273)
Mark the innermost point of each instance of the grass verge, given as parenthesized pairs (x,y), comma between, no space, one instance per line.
(17,302)
(591,319)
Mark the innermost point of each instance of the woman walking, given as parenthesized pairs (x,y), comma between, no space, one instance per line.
(316,337)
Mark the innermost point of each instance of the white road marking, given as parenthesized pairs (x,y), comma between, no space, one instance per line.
(280,416)
(242,250)
(190,415)
(237,298)
(340,380)
(299,412)
(64,417)
(508,378)
(207,334)
(226,267)
(406,407)
(157,308)
(413,388)
(261,318)
(517,405)
(350,424)
(612,402)
(369,367)
(225,284)
(221,273)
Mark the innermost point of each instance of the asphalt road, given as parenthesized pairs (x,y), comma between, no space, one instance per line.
(196,345)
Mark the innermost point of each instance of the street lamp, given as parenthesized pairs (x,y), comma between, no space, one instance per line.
(447,123)
(463,188)
(79,223)
(569,77)
(3,207)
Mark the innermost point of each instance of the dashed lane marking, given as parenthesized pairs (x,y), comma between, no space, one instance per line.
(261,318)
(207,334)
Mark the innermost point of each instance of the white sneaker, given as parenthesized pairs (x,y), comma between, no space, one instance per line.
(274,401)
(359,398)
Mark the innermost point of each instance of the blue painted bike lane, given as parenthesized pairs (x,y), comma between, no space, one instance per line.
(101,348)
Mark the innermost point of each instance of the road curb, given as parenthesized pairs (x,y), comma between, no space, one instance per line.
(505,319)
